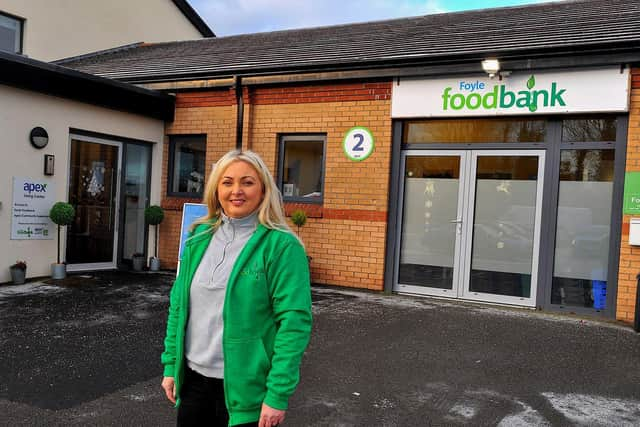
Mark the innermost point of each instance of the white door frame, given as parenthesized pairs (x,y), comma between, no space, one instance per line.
(459,244)
(113,263)
(464,234)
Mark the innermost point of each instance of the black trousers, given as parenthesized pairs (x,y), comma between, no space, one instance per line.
(202,402)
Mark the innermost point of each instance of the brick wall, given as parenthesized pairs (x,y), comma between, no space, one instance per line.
(211,112)
(346,239)
(346,235)
(630,255)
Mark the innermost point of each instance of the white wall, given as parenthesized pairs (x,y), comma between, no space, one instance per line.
(63,28)
(21,111)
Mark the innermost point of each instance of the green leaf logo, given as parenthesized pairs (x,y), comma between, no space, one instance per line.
(531,82)
(533,107)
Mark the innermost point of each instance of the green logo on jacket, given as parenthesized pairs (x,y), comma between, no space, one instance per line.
(255,270)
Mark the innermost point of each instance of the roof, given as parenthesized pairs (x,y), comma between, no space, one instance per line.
(30,74)
(194,18)
(560,29)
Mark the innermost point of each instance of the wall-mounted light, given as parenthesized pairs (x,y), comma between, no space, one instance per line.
(39,137)
(491,67)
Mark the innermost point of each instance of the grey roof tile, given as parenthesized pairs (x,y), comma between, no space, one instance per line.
(578,25)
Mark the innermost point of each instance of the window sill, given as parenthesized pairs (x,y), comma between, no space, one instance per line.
(313,210)
(175,203)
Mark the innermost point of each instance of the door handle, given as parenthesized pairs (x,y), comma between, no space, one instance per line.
(458,223)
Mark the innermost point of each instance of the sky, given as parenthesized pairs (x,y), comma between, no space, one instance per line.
(230,17)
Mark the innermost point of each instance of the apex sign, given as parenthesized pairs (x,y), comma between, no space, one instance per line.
(594,90)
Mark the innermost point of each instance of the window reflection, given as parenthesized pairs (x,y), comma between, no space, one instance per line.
(302,168)
(477,130)
(187,154)
(589,130)
(583,224)
(428,233)
(504,222)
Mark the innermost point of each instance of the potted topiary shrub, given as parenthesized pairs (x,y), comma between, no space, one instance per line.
(18,272)
(299,218)
(153,215)
(61,214)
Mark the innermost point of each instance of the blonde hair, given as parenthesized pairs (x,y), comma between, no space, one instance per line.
(270,211)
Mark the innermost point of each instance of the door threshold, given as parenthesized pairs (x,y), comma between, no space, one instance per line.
(468,301)
(82,268)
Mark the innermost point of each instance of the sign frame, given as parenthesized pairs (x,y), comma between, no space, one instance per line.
(364,142)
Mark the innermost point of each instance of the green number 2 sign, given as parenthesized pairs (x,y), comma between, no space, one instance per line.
(358,143)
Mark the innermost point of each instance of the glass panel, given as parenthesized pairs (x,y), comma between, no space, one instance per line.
(428,233)
(188,164)
(476,130)
(92,190)
(504,219)
(136,172)
(583,227)
(10,30)
(302,173)
(589,130)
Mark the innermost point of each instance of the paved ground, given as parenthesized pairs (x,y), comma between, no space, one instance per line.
(87,353)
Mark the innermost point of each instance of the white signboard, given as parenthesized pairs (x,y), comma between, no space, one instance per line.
(32,201)
(600,90)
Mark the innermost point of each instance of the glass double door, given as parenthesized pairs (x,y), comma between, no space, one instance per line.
(471,224)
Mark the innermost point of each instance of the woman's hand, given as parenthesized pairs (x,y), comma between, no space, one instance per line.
(270,417)
(169,386)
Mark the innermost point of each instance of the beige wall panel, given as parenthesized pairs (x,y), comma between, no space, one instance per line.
(63,28)
(20,111)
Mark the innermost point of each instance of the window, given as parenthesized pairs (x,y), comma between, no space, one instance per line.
(583,227)
(186,165)
(589,130)
(301,177)
(477,131)
(10,33)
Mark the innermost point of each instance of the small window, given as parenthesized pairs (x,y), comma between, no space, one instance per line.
(589,130)
(10,33)
(186,165)
(301,176)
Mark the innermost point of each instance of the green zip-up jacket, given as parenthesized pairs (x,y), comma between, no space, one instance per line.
(266,316)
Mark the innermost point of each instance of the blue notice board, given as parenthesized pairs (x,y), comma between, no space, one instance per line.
(190,212)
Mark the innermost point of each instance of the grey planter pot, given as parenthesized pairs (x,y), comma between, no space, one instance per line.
(18,275)
(58,271)
(138,263)
(154,263)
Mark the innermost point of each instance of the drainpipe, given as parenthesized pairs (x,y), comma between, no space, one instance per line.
(240,111)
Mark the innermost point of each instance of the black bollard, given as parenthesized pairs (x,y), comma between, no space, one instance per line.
(636,323)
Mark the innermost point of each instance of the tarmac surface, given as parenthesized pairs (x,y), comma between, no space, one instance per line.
(85,352)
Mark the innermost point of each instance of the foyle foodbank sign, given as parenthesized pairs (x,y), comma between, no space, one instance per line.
(470,97)
(587,90)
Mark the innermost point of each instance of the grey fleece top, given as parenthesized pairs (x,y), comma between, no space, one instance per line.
(203,340)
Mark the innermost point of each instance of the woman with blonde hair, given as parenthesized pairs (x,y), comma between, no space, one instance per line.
(240,309)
